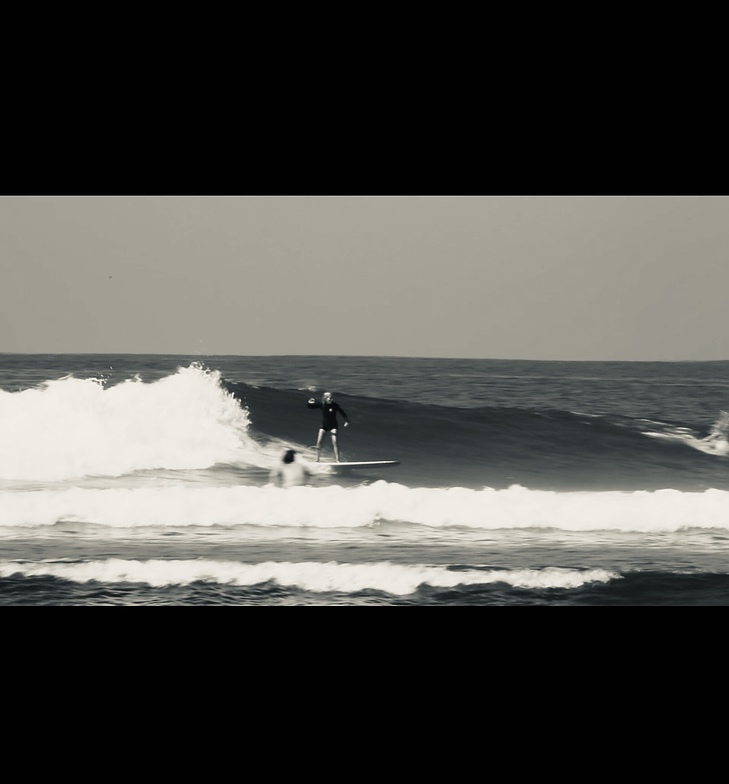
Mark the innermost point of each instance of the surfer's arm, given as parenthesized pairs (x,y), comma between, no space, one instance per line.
(311,403)
(344,414)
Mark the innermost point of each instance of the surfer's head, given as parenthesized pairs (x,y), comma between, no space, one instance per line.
(289,456)
(327,397)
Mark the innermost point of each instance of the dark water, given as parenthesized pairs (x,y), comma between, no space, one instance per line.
(144,480)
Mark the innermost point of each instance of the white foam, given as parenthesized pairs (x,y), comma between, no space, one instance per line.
(335,506)
(71,428)
(715,443)
(396,579)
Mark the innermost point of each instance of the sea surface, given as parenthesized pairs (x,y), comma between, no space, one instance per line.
(144,480)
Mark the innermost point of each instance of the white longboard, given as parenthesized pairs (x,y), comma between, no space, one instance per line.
(365,464)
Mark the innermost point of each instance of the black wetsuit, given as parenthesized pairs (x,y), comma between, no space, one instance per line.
(329,414)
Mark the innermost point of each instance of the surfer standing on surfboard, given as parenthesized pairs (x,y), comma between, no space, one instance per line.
(329,409)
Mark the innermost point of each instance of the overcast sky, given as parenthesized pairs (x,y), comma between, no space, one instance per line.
(602,278)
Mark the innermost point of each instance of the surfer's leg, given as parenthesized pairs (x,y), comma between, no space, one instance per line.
(318,442)
(334,445)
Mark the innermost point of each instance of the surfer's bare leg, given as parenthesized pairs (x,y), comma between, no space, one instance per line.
(334,445)
(318,443)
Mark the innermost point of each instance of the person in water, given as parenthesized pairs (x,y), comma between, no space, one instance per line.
(329,410)
(289,472)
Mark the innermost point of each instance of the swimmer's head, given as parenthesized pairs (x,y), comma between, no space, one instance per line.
(289,456)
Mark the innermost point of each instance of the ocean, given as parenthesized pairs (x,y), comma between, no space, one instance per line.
(144,480)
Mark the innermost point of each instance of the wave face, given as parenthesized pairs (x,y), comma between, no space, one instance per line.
(518,482)
(444,446)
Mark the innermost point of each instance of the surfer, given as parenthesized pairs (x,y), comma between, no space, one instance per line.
(288,472)
(329,409)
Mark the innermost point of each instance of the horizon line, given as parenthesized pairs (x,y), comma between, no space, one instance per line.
(197,355)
